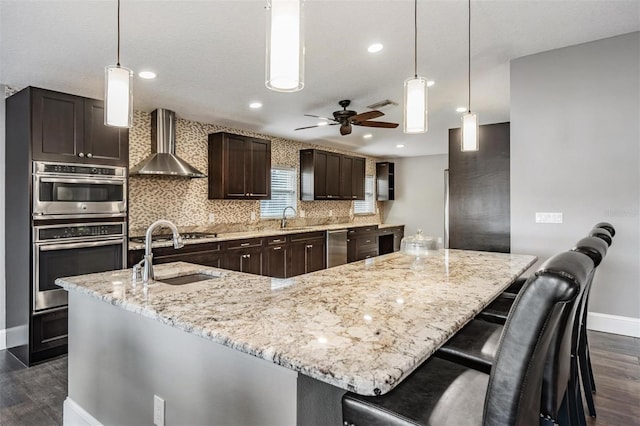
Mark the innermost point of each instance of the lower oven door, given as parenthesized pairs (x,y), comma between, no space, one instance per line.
(55,260)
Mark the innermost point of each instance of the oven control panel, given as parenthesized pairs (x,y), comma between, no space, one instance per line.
(42,167)
(47,233)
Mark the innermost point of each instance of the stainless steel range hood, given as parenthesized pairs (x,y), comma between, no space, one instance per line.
(163,159)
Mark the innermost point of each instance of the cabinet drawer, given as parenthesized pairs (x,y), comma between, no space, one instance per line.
(362,230)
(240,244)
(49,330)
(307,236)
(281,239)
(367,253)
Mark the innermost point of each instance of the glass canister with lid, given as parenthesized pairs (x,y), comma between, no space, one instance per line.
(418,245)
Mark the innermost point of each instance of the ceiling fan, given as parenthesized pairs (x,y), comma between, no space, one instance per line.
(346,118)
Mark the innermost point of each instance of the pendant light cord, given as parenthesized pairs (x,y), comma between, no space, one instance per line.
(118,64)
(469,62)
(415,39)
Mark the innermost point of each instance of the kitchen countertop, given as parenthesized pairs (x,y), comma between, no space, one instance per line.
(229,236)
(362,327)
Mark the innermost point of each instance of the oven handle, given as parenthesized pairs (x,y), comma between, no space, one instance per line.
(73,180)
(59,246)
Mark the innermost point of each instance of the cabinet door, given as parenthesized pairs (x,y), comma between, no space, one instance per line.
(315,251)
(246,260)
(258,171)
(346,178)
(235,167)
(333,175)
(57,126)
(357,179)
(103,144)
(49,330)
(275,261)
(320,175)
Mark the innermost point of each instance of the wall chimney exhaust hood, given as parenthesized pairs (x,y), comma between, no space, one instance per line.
(163,160)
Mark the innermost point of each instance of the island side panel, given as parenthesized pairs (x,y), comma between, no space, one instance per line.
(119,360)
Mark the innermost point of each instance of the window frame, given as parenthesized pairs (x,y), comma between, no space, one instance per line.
(369,182)
(272,213)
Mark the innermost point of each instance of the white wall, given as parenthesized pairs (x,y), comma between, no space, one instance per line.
(419,203)
(575,142)
(3,343)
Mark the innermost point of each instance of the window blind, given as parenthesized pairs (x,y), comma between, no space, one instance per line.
(283,193)
(368,205)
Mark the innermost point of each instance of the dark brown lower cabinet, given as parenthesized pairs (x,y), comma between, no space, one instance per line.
(208,254)
(49,334)
(243,256)
(362,243)
(308,253)
(276,260)
(389,239)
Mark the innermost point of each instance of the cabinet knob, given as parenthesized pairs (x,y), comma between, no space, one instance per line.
(81,154)
(309,246)
(89,155)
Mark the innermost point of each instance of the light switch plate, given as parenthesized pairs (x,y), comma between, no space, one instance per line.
(548,217)
(158,411)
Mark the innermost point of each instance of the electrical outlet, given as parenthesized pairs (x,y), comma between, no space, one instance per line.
(212,217)
(253,215)
(548,217)
(330,212)
(158,411)
(301,213)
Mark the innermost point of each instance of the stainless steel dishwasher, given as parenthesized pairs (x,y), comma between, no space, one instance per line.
(336,247)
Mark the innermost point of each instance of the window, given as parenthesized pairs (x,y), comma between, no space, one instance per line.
(283,193)
(368,206)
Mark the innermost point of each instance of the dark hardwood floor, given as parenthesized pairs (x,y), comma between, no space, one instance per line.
(34,396)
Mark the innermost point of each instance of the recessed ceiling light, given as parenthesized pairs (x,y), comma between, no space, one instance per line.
(375,47)
(400,145)
(461,109)
(147,75)
(255,105)
(367,136)
(430,83)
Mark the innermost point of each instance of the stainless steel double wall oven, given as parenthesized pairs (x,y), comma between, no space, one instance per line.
(79,225)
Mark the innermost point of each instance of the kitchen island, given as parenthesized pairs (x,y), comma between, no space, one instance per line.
(246,349)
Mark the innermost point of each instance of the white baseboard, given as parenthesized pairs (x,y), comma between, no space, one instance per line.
(75,415)
(3,339)
(615,324)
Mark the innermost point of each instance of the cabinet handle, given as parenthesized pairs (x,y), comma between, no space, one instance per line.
(276,241)
(89,155)
(244,244)
(368,241)
(354,196)
(81,154)
(309,246)
(278,248)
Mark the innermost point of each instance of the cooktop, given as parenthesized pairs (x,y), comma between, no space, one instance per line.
(169,237)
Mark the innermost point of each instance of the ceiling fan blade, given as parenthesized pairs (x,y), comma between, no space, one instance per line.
(317,116)
(345,129)
(369,115)
(377,124)
(317,125)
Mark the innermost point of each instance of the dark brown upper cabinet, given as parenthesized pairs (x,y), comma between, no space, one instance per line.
(385,181)
(330,176)
(239,167)
(71,129)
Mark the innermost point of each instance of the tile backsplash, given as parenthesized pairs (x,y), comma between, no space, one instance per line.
(185,201)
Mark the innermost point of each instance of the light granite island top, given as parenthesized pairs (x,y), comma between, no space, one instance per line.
(362,327)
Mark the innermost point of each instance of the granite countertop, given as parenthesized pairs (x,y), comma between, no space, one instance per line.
(363,326)
(228,236)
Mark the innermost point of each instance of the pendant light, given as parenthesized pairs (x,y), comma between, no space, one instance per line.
(415,91)
(470,135)
(285,46)
(118,94)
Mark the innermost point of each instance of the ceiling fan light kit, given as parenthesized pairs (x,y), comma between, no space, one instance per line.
(415,90)
(285,46)
(470,130)
(118,92)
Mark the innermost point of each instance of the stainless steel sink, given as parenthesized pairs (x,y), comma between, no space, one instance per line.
(187,279)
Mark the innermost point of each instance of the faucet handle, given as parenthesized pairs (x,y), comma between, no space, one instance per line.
(177,242)
(137,271)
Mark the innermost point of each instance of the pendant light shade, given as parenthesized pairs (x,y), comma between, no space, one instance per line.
(285,46)
(415,105)
(415,90)
(118,95)
(118,92)
(470,132)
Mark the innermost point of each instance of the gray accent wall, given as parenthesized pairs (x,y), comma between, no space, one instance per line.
(575,141)
(2,234)
(419,198)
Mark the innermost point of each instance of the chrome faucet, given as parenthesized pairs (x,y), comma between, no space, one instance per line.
(147,261)
(283,222)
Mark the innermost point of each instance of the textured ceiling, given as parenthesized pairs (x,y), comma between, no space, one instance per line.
(209,56)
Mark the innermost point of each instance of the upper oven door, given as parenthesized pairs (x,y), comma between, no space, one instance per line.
(60,196)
